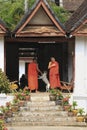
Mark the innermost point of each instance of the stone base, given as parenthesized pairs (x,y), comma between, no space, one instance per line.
(5,98)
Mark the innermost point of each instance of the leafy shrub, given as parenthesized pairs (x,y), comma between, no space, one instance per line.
(61,13)
(4,83)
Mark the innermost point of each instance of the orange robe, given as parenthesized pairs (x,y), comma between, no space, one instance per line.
(54,75)
(32,76)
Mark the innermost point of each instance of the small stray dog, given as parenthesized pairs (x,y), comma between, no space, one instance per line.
(45,80)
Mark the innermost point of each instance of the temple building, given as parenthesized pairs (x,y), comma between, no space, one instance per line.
(35,37)
(41,35)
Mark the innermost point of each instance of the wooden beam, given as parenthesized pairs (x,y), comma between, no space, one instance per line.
(40,39)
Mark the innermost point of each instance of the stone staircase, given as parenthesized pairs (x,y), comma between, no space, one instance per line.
(42,112)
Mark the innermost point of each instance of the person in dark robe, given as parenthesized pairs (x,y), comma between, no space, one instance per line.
(23,81)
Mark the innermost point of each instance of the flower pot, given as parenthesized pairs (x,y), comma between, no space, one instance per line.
(21,103)
(52,97)
(66,107)
(75,112)
(86,118)
(58,102)
(15,108)
(27,98)
(8,114)
(1,116)
(80,118)
(70,113)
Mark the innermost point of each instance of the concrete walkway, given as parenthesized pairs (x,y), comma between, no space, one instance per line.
(46,128)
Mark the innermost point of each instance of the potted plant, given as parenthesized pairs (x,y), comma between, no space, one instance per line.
(65,103)
(21,103)
(80,117)
(13,87)
(2,125)
(2,112)
(52,95)
(1,115)
(15,101)
(70,113)
(20,95)
(59,98)
(86,118)
(15,108)
(74,105)
(8,110)
(27,93)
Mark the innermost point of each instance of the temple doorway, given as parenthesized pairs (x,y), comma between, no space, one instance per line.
(18,56)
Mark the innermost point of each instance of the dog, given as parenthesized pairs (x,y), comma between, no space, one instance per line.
(45,80)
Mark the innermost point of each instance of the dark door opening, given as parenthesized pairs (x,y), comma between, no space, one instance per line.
(12,61)
(43,52)
(60,52)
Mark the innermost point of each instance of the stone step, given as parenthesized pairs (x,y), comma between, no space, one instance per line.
(44,94)
(39,96)
(41,108)
(50,123)
(40,103)
(46,128)
(41,114)
(43,118)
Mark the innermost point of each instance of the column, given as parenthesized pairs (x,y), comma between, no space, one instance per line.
(2,53)
(80,90)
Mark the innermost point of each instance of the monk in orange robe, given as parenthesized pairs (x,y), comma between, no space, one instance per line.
(33,75)
(54,73)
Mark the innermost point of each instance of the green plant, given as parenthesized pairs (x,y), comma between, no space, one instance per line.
(2,125)
(26,91)
(15,101)
(53,91)
(74,104)
(53,94)
(2,109)
(12,12)
(4,83)
(80,117)
(81,111)
(59,95)
(70,109)
(66,101)
(62,14)
(21,96)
